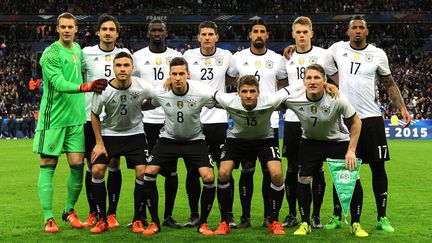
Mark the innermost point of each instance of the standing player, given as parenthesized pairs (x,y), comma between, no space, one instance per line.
(263,63)
(120,133)
(208,64)
(251,136)
(324,136)
(62,115)
(359,66)
(98,63)
(294,70)
(181,136)
(152,64)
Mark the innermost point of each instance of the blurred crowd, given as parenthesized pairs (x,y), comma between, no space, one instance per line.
(205,7)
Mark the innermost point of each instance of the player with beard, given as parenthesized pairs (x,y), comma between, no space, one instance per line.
(98,63)
(262,63)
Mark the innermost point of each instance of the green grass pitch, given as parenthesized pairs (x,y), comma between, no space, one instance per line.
(409,204)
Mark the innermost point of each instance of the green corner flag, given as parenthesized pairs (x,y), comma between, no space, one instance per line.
(344,181)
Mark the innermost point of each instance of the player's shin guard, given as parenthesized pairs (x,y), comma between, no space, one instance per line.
(99,191)
(223,194)
(114,187)
(88,187)
(380,187)
(265,189)
(193,189)
(139,200)
(356,203)
(171,186)
(45,189)
(318,189)
(291,181)
(151,196)
(74,185)
(207,198)
(246,187)
(276,194)
(304,199)
(337,208)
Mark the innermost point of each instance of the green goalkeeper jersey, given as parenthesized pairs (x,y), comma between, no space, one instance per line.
(62,105)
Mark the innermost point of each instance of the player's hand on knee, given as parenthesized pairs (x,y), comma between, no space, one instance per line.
(98,151)
(97,86)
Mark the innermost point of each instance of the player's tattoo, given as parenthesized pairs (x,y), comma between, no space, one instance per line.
(393,91)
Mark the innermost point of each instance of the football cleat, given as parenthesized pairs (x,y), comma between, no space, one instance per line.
(171,222)
(72,218)
(290,221)
(303,229)
(357,230)
(90,221)
(276,228)
(205,230)
(193,221)
(137,226)
(112,221)
(100,227)
(334,223)
(244,223)
(51,226)
(316,223)
(231,221)
(384,225)
(222,229)
(152,229)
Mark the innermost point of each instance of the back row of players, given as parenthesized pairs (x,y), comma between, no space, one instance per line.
(359,64)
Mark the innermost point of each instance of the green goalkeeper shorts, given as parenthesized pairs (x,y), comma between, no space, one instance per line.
(56,141)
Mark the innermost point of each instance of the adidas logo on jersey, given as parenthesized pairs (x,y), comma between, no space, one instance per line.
(66,61)
(96,59)
(195,63)
(301,109)
(167,105)
(345,55)
(147,63)
(291,63)
(245,64)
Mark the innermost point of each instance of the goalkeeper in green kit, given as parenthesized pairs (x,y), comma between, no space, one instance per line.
(62,115)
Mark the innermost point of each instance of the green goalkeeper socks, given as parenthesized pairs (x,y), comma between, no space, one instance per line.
(74,185)
(45,189)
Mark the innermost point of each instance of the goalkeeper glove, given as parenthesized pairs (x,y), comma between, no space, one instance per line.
(97,86)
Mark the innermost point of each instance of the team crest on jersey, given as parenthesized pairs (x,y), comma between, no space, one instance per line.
(258,64)
(123,98)
(108,58)
(313,59)
(134,95)
(180,104)
(158,61)
(369,57)
(314,109)
(301,60)
(192,103)
(207,61)
(168,60)
(219,61)
(357,56)
(325,108)
(269,64)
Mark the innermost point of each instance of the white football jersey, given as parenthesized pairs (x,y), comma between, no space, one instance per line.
(96,64)
(358,73)
(263,67)
(122,107)
(154,67)
(182,112)
(294,70)
(321,120)
(255,123)
(211,71)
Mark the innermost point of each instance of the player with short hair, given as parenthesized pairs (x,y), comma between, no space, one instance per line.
(181,136)
(61,120)
(360,66)
(251,136)
(152,65)
(324,136)
(120,133)
(263,63)
(208,64)
(98,63)
(293,70)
